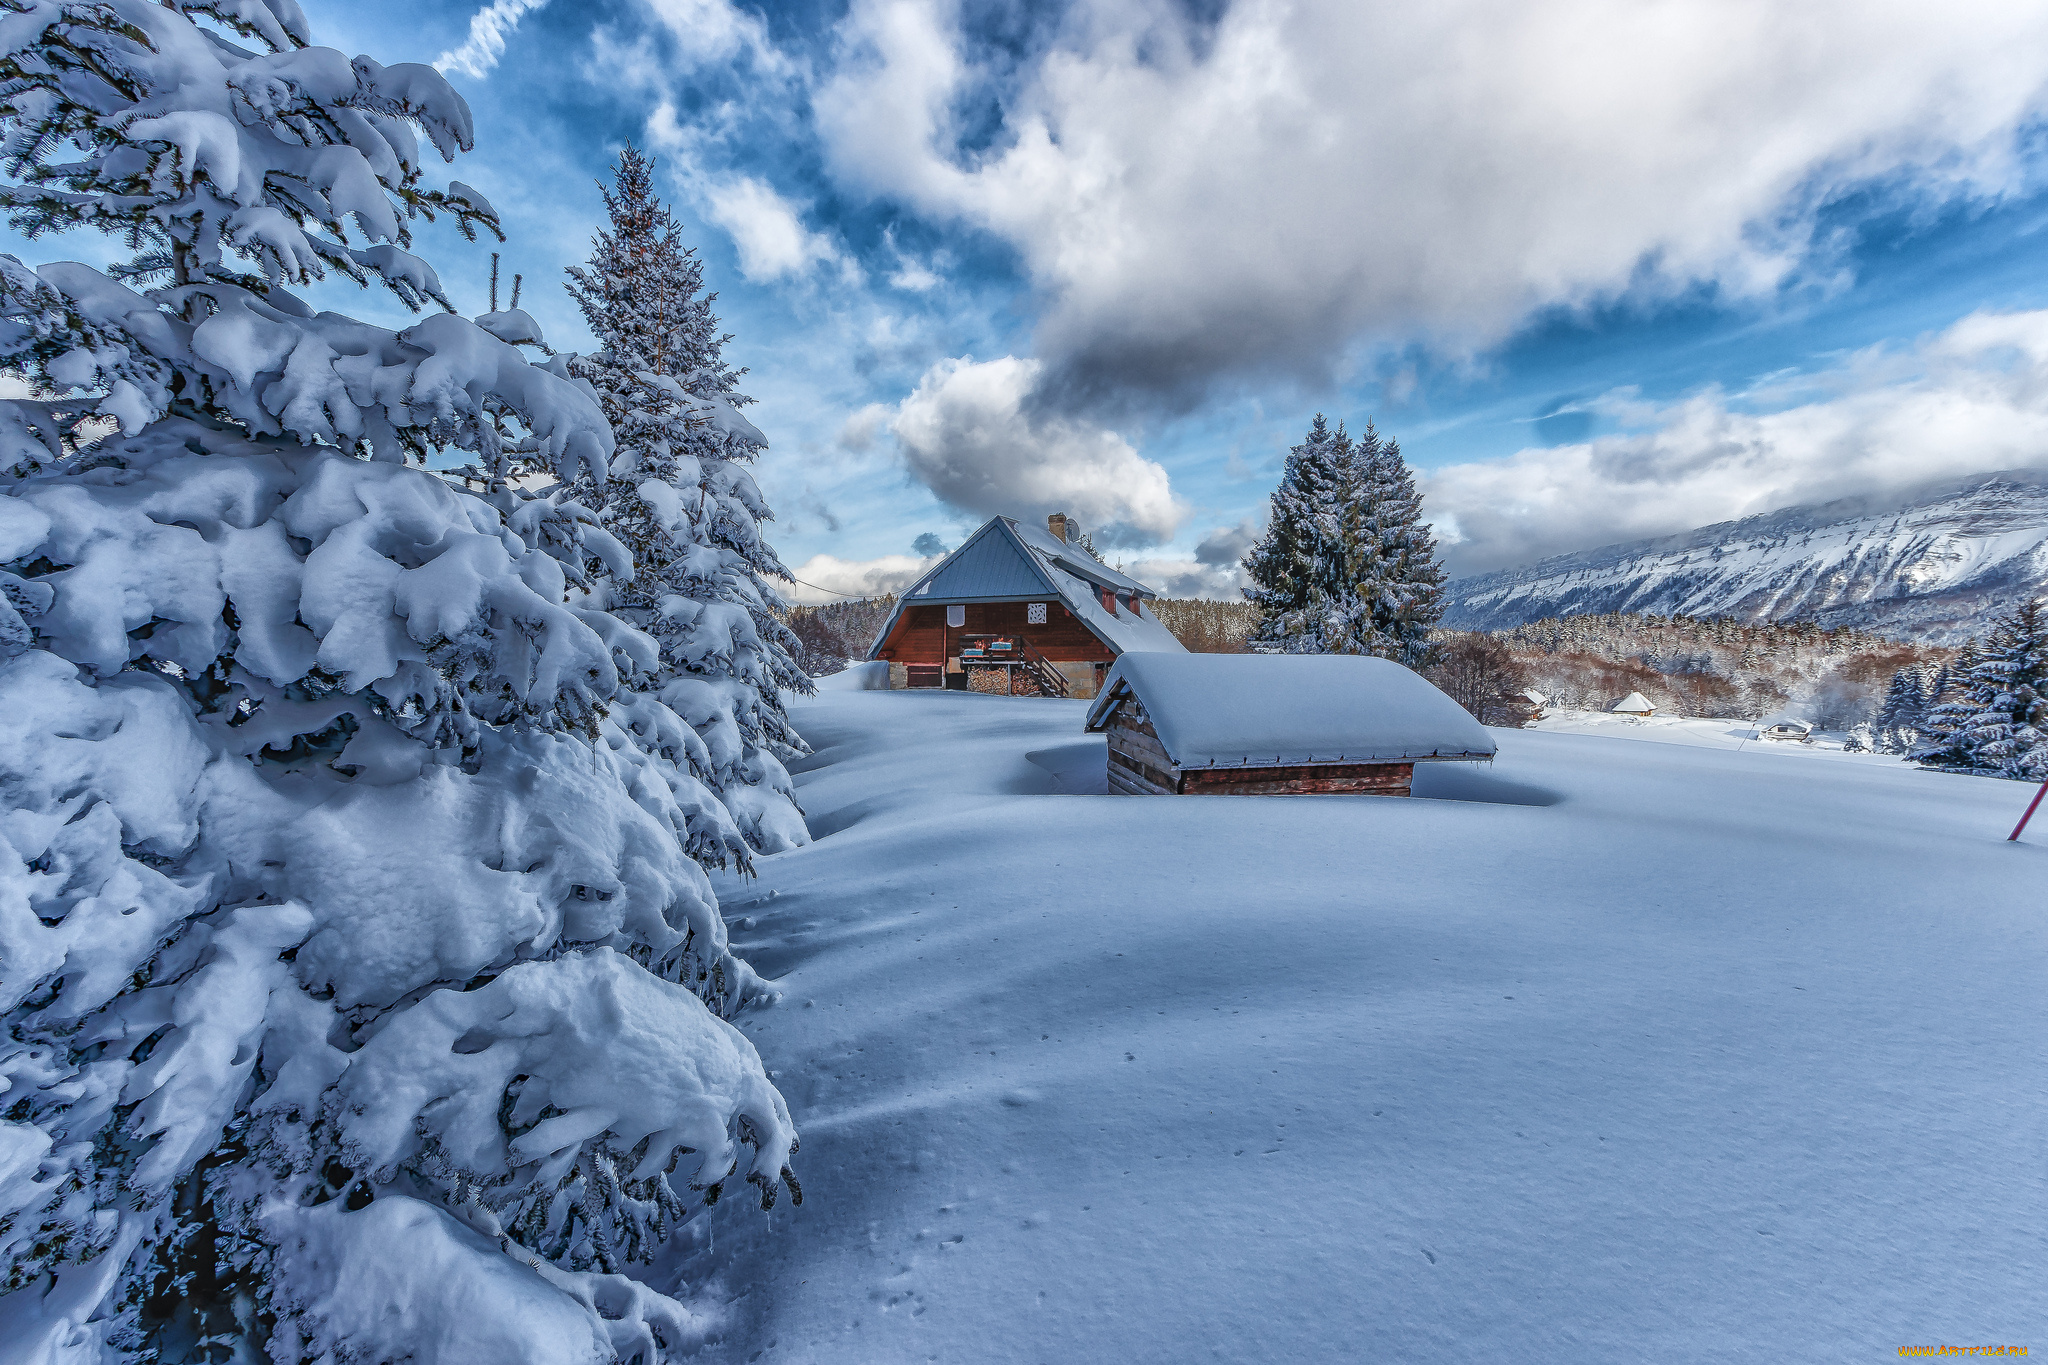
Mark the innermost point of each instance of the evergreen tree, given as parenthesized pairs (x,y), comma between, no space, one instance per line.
(1998,722)
(1295,563)
(1902,713)
(1948,706)
(1346,565)
(361,1002)
(1389,595)
(688,511)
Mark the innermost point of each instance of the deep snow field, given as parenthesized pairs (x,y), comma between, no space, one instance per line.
(1616,1051)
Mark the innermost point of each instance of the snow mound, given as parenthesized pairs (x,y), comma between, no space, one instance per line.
(872,676)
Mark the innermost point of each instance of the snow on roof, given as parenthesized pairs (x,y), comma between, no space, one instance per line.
(1785,718)
(1634,702)
(1074,559)
(1276,710)
(1533,695)
(1007,561)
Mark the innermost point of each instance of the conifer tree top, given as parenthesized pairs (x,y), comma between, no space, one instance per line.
(127,117)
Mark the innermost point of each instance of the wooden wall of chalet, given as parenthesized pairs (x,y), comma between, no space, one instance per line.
(920,635)
(1139,766)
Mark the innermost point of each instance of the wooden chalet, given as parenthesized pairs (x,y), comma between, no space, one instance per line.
(1275,724)
(1018,610)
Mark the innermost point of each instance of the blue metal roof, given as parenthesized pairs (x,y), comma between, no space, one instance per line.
(990,565)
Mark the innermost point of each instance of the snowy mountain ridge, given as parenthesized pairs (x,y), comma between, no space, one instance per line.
(1932,565)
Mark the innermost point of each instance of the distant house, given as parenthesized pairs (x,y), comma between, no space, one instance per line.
(1018,610)
(1634,704)
(1272,724)
(1536,701)
(1784,727)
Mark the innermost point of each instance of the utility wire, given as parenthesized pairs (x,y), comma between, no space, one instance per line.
(856,596)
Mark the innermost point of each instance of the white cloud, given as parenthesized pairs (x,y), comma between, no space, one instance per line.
(913,277)
(771,239)
(969,433)
(1258,192)
(708,31)
(1172,577)
(489,27)
(827,578)
(858,432)
(1970,399)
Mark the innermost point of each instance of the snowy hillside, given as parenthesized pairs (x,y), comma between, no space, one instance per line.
(1930,567)
(1614,1052)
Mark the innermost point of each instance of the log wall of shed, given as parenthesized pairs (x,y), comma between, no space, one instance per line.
(1356,779)
(920,635)
(1140,766)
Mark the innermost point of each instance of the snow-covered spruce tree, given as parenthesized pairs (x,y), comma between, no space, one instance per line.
(1949,705)
(1293,566)
(1390,587)
(360,1000)
(686,508)
(1347,565)
(1901,714)
(1999,723)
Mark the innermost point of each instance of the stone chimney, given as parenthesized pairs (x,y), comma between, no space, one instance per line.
(1057,524)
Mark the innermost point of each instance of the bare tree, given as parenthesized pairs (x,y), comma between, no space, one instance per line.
(1482,675)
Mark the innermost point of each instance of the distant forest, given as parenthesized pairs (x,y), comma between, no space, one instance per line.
(1687,665)
(1713,666)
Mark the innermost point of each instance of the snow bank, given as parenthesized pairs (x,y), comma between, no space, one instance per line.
(1718,1055)
(872,676)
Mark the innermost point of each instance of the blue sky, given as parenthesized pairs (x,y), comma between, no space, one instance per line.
(1606,269)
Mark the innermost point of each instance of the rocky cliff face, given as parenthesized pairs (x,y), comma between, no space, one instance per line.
(1932,566)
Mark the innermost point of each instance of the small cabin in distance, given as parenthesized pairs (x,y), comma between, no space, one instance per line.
(1797,729)
(1276,724)
(1020,611)
(1634,704)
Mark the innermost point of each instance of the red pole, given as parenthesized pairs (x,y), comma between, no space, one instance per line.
(2014,836)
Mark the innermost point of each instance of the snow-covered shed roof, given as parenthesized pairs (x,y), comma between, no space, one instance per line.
(1634,703)
(1287,710)
(1786,718)
(1007,561)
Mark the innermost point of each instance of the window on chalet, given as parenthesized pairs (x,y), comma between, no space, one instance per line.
(1034,613)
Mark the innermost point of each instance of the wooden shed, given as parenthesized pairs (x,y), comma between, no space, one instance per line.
(1634,704)
(1274,724)
(1785,726)
(1021,611)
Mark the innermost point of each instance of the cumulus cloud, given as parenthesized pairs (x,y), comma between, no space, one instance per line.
(928,544)
(1226,545)
(971,433)
(771,239)
(1970,399)
(708,31)
(1199,196)
(1173,577)
(828,578)
(489,28)
(858,432)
